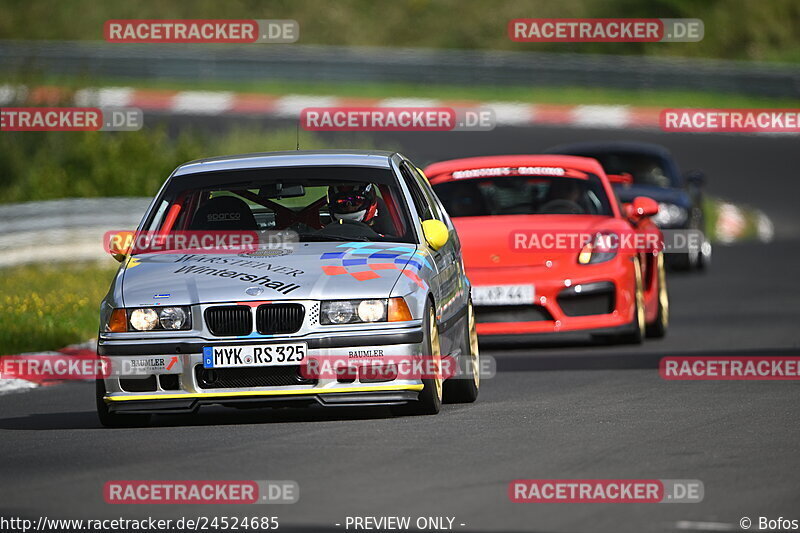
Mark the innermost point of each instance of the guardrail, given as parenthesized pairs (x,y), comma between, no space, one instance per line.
(350,64)
(64,230)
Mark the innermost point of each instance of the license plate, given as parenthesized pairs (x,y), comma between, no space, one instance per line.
(502,294)
(254,355)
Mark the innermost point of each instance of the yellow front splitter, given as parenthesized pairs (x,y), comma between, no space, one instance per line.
(188,395)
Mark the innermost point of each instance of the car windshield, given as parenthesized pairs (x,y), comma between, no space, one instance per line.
(524,195)
(317,203)
(646,169)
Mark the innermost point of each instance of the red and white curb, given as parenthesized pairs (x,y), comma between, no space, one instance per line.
(9,385)
(214,103)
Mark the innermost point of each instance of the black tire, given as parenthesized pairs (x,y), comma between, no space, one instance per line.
(430,397)
(658,328)
(113,420)
(464,388)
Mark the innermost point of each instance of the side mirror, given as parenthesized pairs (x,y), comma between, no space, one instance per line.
(436,233)
(696,178)
(118,244)
(624,178)
(642,207)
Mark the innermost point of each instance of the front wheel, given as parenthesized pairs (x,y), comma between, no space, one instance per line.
(114,420)
(636,332)
(464,387)
(430,397)
(658,328)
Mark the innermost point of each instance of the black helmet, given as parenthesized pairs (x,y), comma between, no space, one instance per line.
(357,202)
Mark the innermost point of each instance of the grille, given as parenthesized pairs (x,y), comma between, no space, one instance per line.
(229,320)
(147,384)
(237,378)
(169,381)
(511,313)
(273,319)
(599,303)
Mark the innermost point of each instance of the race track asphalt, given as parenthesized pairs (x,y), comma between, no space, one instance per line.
(554,409)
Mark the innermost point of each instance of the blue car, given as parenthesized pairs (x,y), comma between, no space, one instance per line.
(656,175)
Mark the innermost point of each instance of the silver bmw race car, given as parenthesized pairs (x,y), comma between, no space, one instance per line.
(351,291)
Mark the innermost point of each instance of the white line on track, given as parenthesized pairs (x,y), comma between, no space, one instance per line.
(688,525)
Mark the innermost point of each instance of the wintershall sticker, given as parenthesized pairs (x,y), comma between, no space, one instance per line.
(606,491)
(70,119)
(201,492)
(244,263)
(730,368)
(265,281)
(201,31)
(731,120)
(598,30)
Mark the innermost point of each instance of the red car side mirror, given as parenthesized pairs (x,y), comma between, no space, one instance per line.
(642,207)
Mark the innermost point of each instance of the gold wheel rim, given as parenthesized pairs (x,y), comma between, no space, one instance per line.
(473,347)
(436,354)
(663,299)
(640,311)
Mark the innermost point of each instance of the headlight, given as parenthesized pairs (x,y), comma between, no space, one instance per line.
(172,317)
(670,215)
(357,311)
(339,312)
(602,248)
(372,310)
(144,319)
(160,318)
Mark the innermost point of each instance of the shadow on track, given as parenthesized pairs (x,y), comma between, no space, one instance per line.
(532,362)
(208,416)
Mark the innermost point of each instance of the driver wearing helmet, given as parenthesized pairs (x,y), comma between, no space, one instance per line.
(357,202)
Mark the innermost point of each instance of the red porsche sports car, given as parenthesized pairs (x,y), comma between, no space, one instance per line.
(548,247)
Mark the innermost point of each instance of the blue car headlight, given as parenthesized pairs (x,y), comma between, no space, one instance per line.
(670,215)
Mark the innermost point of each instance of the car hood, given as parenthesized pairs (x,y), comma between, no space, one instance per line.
(659,194)
(303,271)
(489,243)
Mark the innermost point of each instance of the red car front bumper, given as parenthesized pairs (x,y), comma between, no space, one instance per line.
(566,298)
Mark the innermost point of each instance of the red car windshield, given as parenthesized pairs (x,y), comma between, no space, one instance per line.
(524,195)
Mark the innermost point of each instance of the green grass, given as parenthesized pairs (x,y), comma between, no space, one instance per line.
(47,307)
(735,29)
(711,206)
(538,95)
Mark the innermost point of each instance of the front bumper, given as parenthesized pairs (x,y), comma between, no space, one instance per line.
(588,299)
(175,382)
